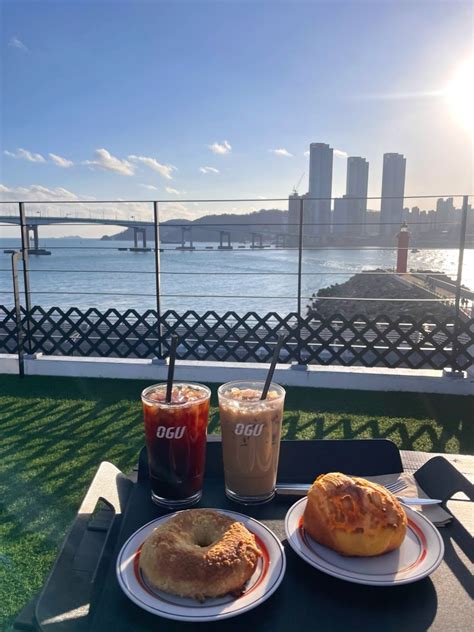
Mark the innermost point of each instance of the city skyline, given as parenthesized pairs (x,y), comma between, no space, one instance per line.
(193,113)
(347,214)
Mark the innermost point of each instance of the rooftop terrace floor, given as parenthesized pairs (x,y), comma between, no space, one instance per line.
(55,432)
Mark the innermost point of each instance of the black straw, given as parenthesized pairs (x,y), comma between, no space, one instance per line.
(172,357)
(271,370)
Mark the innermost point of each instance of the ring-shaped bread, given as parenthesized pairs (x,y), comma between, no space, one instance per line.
(199,553)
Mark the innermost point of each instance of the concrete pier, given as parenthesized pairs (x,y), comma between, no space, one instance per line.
(225,234)
(33,238)
(257,237)
(183,239)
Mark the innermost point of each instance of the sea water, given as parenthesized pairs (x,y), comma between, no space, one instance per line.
(87,273)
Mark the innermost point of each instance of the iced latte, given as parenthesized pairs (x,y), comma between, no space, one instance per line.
(251,430)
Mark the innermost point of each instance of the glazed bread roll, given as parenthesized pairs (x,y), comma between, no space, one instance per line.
(353,516)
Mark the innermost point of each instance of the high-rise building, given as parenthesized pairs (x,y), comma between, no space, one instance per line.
(320,186)
(414,220)
(357,182)
(393,189)
(445,212)
(294,213)
(340,217)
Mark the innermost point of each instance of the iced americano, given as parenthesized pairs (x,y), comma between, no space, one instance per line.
(176,433)
(251,432)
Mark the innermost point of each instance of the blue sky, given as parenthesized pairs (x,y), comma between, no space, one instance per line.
(151,94)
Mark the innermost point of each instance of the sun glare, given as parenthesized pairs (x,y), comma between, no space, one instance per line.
(460,94)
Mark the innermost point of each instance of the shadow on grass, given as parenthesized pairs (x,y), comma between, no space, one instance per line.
(56,431)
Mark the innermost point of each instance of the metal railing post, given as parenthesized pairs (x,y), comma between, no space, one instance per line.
(457,315)
(300,267)
(156,226)
(19,328)
(26,269)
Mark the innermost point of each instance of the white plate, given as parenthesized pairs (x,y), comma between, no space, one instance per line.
(263,583)
(420,554)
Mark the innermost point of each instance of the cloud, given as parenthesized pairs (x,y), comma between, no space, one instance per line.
(105,160)
(281,152)
(337,152)
(24,154)
(60,161)
(175,210)
(173,191)
(398,96)
(221,148)
(15,42)
(208,170)
(150,187)
(39,192)
(164,170)
(49,199)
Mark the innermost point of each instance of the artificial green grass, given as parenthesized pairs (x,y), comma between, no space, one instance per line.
(55,432)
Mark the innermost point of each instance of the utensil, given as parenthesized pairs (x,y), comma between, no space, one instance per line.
(263,583)
(301,489)
(420,553)
(407,500)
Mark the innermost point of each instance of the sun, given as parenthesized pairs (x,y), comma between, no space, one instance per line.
(460,94)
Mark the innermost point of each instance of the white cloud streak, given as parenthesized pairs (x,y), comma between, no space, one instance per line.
(337,152)
(150,187)
(398,96)
(15,42)
(40,193)
(173,191)
(208,170)
(60,161)
(49,198)
(221,148)
(164,170)
(281,152)
(24,154)
(176,210)
(105,160)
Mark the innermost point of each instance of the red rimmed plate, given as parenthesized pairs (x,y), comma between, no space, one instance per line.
(263,583)
(420,554)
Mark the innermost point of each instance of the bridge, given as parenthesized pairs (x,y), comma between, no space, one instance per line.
(44,220)
(139,229)
(34,222)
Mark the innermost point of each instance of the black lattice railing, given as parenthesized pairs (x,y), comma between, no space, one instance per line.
(250,338)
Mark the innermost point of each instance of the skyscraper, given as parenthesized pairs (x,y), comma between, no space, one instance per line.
(444,212)
(320,186)
(393,189)
(340,217)
(294,213)
(356,188)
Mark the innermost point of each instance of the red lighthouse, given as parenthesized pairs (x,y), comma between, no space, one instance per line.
(402,252)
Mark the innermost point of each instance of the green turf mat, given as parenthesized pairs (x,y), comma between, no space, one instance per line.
(55,432)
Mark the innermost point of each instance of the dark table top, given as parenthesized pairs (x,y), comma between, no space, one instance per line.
(307,598)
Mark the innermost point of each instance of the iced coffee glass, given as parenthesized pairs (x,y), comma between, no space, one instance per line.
(176,435)
(251,431)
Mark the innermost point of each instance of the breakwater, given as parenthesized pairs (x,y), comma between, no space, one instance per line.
(408,298)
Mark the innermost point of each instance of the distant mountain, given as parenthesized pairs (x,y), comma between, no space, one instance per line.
(208,228)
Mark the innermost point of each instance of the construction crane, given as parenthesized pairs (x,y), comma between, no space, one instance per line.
(295,188)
